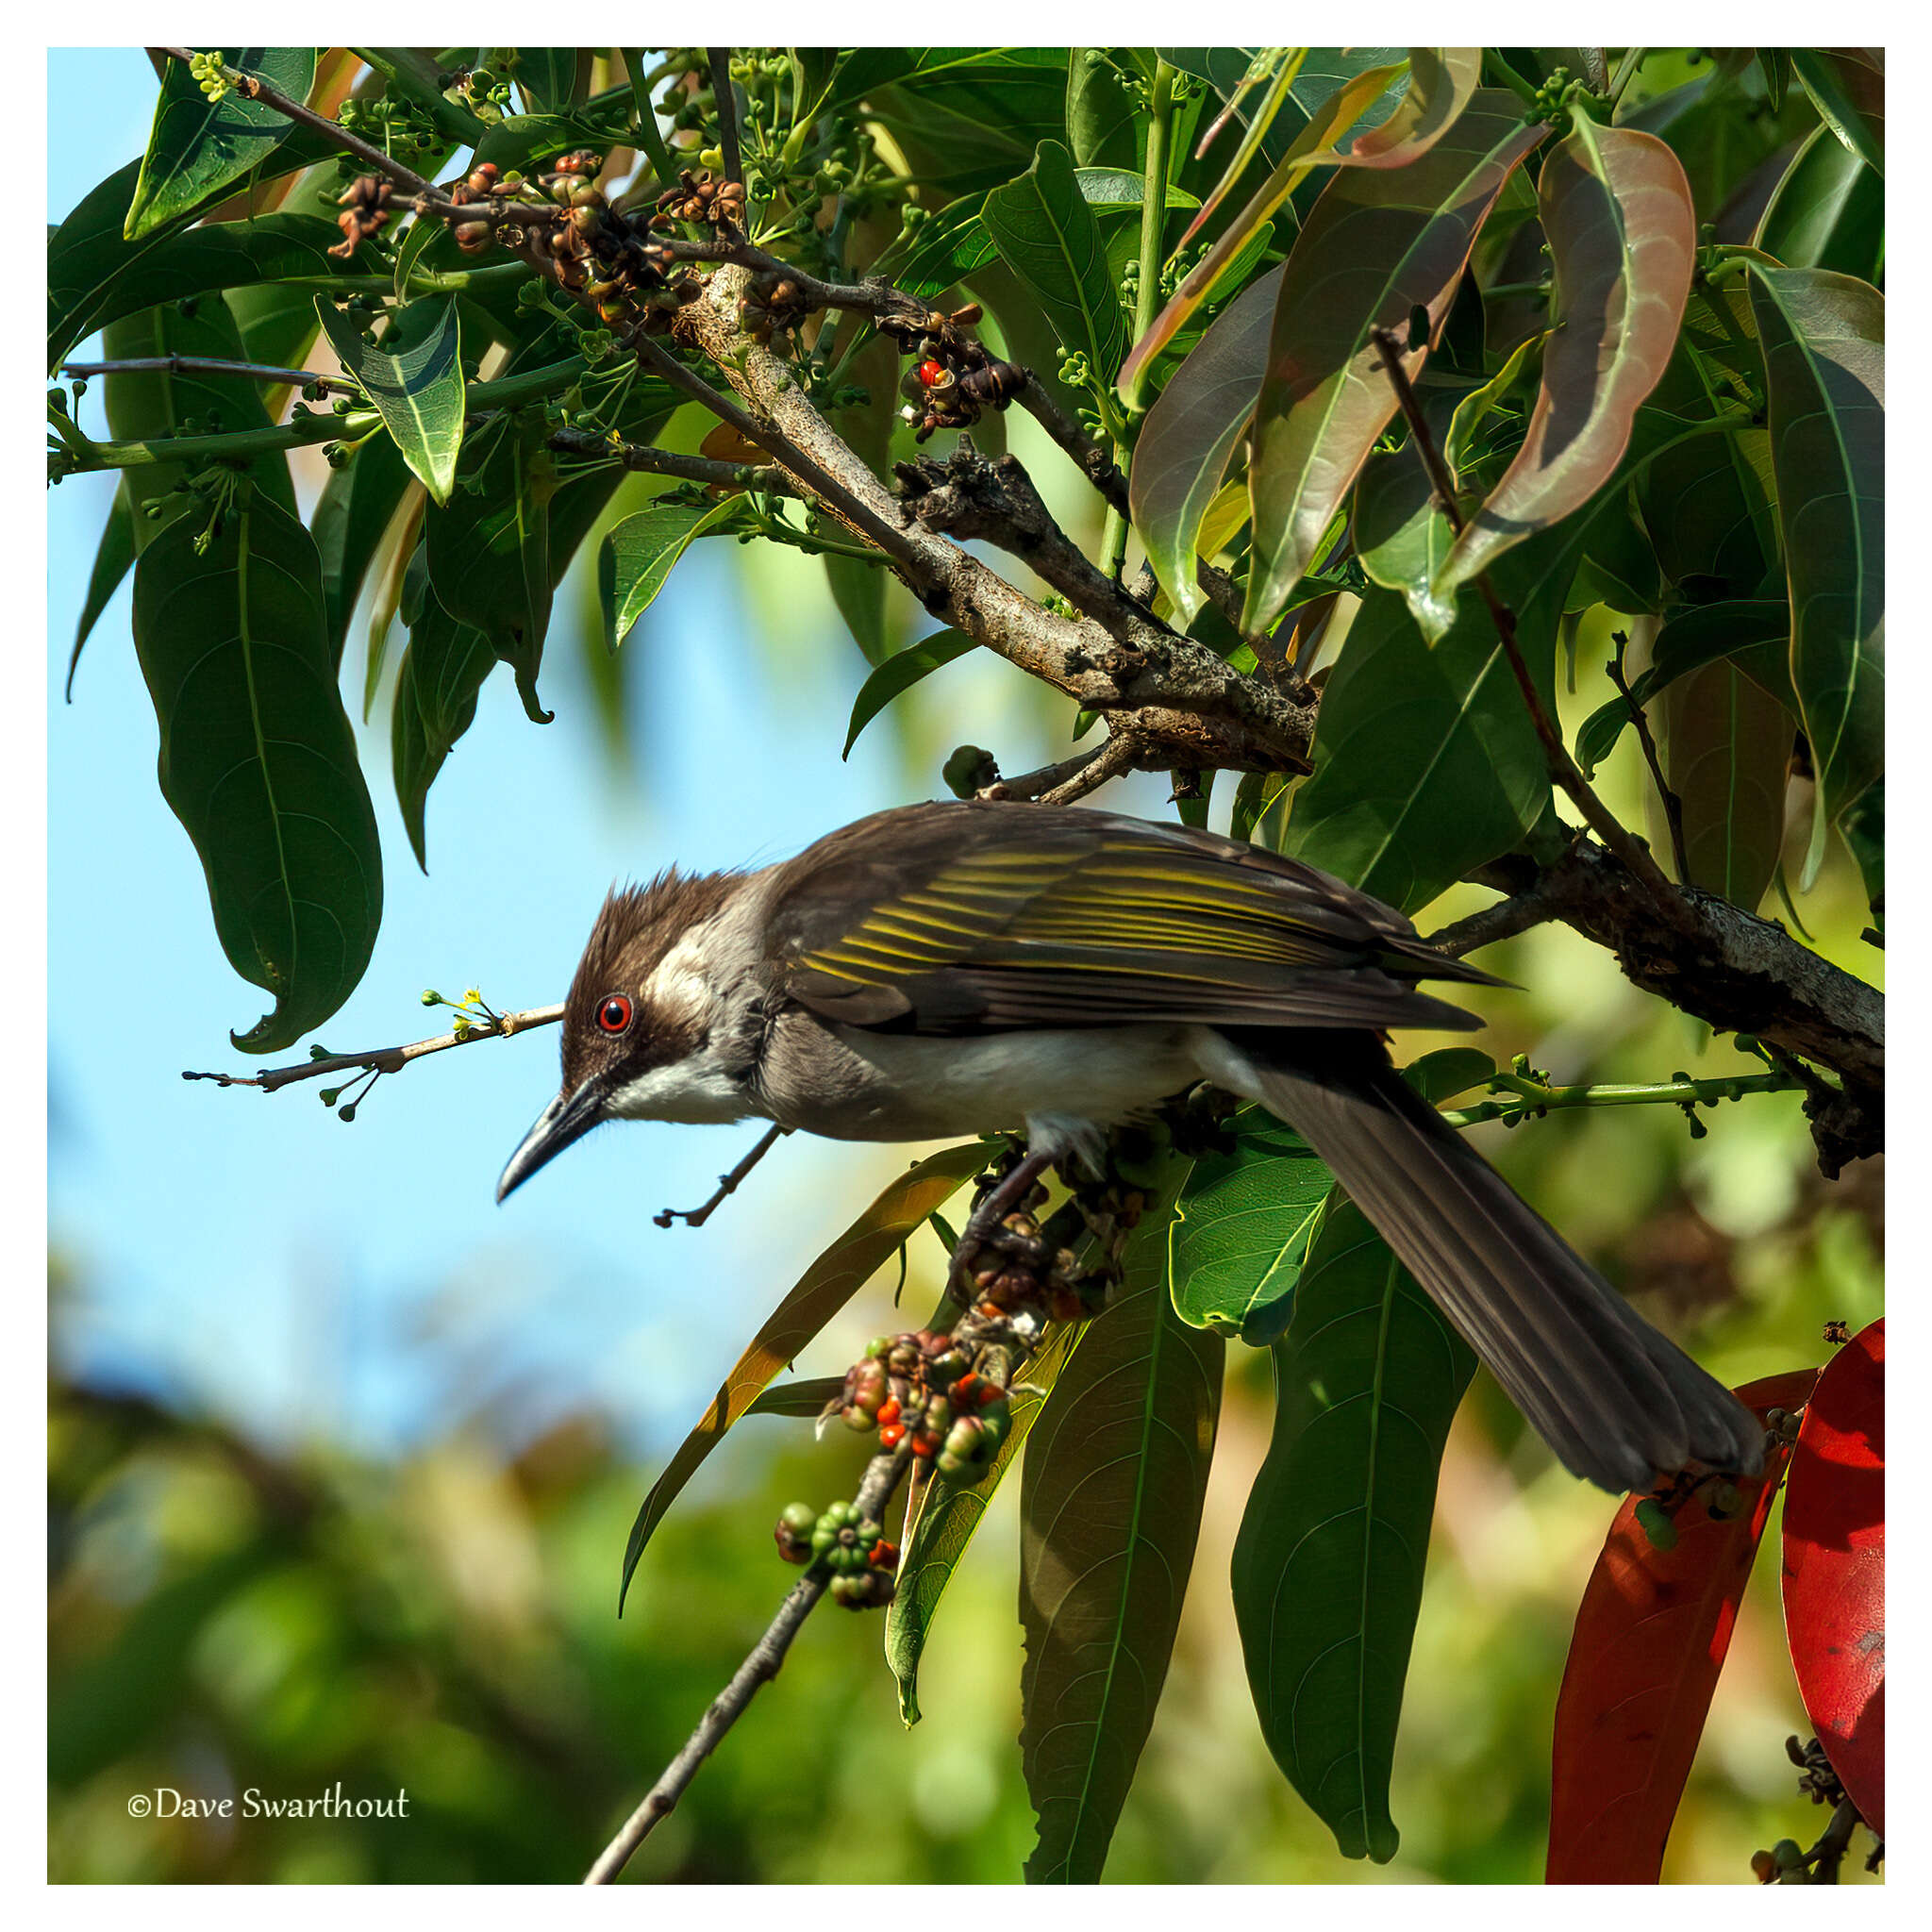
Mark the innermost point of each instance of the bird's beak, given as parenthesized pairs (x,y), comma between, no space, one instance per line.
(568,1118)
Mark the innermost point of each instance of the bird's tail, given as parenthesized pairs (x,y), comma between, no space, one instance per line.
(1616,1401)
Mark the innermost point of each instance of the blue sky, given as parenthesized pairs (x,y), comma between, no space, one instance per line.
(357,1281)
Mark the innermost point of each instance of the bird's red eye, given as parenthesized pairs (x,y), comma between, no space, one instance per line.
(613,1015)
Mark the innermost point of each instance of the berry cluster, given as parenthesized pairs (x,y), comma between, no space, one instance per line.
(365,205)
(922,1388)
(703,198)
(774,302)
(853,1547)
(955,380)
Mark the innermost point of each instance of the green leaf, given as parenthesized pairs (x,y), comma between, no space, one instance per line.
(92,282)
(113,562)
(942,251)
(1103,117)
(1328,398)
(351,517)
(1190,433)
(435,703)
(418,392)
(1046,234)
(1425,761)
(1864,830)
(1329,1564)
(638,553)
(858,587)
(941,1519)
(1727,749)
(1110,1495)
(1826,212)
(258,760)
(549,76)
(1753,632)
(1401,534)
(199,147)
(1343,110)
(1623,235)
(1847,86)
(490,546)
(1241,1229)
(150,404)
(821,1291)
(900,673)
(1823,338)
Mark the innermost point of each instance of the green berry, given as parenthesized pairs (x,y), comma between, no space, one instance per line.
(1655,1524)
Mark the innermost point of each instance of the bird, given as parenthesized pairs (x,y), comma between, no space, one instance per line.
(967,966)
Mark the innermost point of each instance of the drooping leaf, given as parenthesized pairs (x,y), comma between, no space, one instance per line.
(1727,750)
(1847,86)
(490,547)
(1377,245)
(199,147)
(1313,145)
(1273,72)
(1864,831)
(1425,761)
(1826,212)
(1834,1567)
(1110,1494)
(822,1291)
(113,559)
(859,588)
(637,555)
(1328,1568)
(900,673)
(1102,116)
(417,390)
(1753,632)
(146,405)
(435,703)
(1046,234)
(1649,1640)
(1401,534)
(941,1521)
(553,76)
(94,276)
(258,760)
(1184,446)
(942,251)
(351,516)
(1623,238)
(1823,338)
(1241,1229)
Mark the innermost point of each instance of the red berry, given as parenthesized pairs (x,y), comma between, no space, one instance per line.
(892,1435)
(931,372)
(888,1411)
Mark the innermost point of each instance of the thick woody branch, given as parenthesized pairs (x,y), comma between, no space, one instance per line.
(1720,964)
(1179,693)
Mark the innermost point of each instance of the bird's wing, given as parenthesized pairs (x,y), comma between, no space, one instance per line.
(976,917)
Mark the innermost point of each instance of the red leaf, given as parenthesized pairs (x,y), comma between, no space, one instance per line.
(1835,1568)
(1649,1640)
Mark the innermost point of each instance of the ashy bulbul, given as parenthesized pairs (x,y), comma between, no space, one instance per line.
(952,969)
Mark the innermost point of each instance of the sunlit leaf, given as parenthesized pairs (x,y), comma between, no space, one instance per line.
(638,553)
(1623,238)
(1327,1570)
(1377,245)
(1834,1567)
(1190,433)
(1241,1229)
(1847,86)
(1110,1495)
(942,1520)
(258,760)
(822,1291)
(1823,338)
(418,390)
(1826,212)
(1047,235)
(900,673)
(1650,1638)
(198,146)
(942,251)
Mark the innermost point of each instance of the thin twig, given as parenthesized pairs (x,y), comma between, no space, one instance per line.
(883,1474)
(212,365)
(388,1059)
(649,461)
(727,1185)
(1524,1097)
(1674,806)
(1598,816)
(1112,760)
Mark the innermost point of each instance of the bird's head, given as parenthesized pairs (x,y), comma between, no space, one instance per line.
(639,1023)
